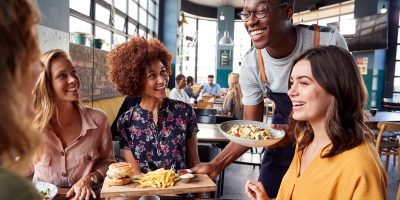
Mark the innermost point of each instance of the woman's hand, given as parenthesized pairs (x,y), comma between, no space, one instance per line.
(82,189)
(255,190)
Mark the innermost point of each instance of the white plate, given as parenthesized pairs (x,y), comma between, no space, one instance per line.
(42,186)
(277,134)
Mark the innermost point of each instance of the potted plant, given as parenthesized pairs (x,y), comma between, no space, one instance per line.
(79,37)
(97,43)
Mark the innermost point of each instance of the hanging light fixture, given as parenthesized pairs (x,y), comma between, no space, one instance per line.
(225,40)
(222,17)
(182,20)
(383,9)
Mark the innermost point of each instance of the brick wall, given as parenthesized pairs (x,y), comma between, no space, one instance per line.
(93,75)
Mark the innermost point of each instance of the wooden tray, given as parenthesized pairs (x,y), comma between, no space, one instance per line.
(200,183)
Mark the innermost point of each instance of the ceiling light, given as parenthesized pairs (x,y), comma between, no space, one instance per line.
(383,9)
(226,40)
(222,17)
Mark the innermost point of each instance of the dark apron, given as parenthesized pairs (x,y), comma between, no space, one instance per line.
(276,161)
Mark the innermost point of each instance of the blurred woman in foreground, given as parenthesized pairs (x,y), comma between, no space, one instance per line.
(334,157)
(20,66)
(77,146)
(158,132)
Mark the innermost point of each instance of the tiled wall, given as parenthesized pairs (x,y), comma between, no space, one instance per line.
(92,72)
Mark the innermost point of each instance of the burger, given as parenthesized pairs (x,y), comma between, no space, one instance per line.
(119,174)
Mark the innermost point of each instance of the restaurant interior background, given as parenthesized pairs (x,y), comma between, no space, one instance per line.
(192,30)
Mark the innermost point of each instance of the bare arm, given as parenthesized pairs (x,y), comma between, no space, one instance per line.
(232,151)
(192,152)
(128,156)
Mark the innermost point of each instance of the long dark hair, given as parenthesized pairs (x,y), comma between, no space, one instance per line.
(336,72)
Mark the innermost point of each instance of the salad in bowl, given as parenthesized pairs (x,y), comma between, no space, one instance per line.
(251,133)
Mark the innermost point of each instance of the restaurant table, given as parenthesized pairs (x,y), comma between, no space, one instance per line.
(390,104)
(210,133)
(63,191)
(383,116)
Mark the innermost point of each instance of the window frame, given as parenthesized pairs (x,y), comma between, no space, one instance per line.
(125,14)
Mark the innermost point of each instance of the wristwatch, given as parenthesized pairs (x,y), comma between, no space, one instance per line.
(93,178)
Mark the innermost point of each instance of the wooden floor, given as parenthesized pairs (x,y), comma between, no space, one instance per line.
(236,176)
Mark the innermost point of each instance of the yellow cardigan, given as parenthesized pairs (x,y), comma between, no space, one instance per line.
(354,174)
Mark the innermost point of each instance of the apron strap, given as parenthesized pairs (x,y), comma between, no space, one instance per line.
(316,35)
(261,62)
(261,66)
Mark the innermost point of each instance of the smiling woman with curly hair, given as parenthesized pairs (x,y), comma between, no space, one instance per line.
(158,132)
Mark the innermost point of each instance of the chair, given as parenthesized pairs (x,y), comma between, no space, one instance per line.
(387,143)
(208,151)
(206,116)
(117,151)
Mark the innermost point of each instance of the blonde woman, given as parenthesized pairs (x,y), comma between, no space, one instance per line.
(20,66)
(77,139)
(233,100)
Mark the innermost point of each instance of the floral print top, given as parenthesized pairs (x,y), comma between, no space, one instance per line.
(161,145)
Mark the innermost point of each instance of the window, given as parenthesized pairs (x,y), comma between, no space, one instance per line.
(104,34)
(324,22)
(119,39)
(396,81)
(242,43)
(204,38)
(133,10)
(102,14)
(119,22)
(127,17)
(186,58)
(82,6)
(143,3)
(131,29)
(143,16)
(120,5)
(206,56)
(80,25)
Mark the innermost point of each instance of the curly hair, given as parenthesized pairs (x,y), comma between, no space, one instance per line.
(128,63)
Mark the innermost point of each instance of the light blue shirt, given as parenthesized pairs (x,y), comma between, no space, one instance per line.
(215,89)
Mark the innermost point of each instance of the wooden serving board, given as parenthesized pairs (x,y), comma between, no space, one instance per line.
(200,183)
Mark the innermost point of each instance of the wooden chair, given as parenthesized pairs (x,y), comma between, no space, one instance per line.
(388,145)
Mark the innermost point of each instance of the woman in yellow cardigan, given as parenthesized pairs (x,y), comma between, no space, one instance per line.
(334,157)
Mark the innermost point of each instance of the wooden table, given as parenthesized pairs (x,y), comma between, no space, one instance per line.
(210,133)
(63,191)
(383,116)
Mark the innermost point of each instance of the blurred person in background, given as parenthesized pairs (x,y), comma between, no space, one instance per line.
(177,92)
(233,100)
(20,67)
(189,90)
(211,88)
(77,146)
(335,157)
(158,132)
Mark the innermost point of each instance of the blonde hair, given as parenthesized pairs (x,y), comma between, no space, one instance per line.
(235,88)
(18,49)
(44,103)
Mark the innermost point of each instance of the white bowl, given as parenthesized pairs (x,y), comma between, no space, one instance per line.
(226,126)
(43,186)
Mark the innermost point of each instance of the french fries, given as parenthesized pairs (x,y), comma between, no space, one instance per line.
(161,178)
